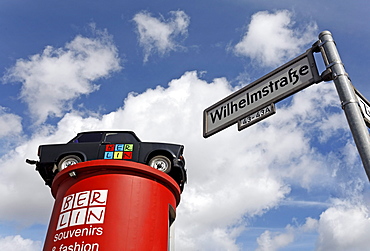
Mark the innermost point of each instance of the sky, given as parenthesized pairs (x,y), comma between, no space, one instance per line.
(293,181)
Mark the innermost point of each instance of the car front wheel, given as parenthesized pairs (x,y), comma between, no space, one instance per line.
(161,163)
(68,161)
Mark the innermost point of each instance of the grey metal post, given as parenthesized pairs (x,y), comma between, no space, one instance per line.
(347,96)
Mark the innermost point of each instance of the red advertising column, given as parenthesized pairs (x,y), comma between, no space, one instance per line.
(106,205)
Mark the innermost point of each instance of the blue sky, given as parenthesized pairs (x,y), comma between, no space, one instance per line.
(291,182)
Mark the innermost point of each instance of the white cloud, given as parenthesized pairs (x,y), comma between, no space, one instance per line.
(267,242)
(53,79)
(160,35)
(276,240)
(344,226)
(216,239)
(11,130)
(26,199)
(17,243)
(10,124)
(272,39)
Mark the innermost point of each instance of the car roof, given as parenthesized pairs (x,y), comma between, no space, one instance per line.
(130,132)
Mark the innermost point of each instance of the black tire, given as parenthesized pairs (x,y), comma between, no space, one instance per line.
(67,161)
(161,163)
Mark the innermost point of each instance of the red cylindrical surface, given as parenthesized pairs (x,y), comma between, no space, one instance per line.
(111,205)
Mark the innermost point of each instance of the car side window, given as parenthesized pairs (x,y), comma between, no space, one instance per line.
(120,138)
(89,137)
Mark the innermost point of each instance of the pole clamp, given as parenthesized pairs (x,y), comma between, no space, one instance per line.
(349,102)
(334,63)
(326,41)
(335,76)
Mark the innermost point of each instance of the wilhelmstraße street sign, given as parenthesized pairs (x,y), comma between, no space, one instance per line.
(257,116)
(284,81)
(365,107)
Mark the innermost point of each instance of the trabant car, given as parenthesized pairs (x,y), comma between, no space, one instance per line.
(110,145)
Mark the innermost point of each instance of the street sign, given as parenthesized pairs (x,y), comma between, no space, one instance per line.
(284,81)
(365,107)
(257,116)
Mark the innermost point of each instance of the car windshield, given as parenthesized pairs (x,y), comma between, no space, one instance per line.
(89,137)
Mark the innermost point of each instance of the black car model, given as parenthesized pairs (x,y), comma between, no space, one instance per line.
(110,145)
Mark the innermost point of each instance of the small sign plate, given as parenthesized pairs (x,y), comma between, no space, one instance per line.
(256,116)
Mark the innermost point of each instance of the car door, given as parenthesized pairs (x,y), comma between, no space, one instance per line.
(119,146)
(86,144)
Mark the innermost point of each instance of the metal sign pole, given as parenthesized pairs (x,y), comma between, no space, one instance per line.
(350,103)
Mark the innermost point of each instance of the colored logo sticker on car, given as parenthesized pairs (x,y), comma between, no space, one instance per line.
(118,151)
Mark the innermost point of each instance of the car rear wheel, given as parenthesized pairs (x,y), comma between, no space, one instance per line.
(68,161)
(161,163)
